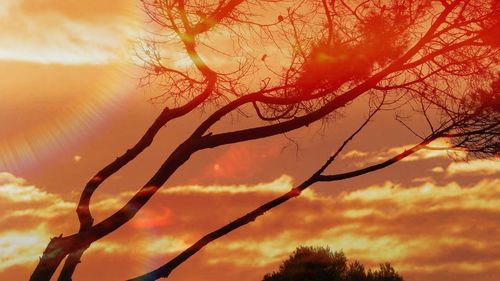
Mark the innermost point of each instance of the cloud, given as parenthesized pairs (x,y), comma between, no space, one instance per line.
(479,166)
(370,224)
(429,153)
(279,185)
(21,247)
(414,227)
(68,32)
(91,10)
(30,216)
(21,200)
(354,154)
(162,245)
(440,231)
(438,169)
(368,157)
(13,189)
(8,178)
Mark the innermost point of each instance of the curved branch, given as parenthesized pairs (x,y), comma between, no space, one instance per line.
(63,245)
(195,143)
(83,210)
(216,17)
(165,270)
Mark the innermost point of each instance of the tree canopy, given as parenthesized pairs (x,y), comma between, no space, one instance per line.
(321,264)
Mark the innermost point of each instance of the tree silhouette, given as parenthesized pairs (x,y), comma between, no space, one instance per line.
(320,264)
(431,62)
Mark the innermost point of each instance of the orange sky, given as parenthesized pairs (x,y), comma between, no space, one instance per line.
(69,104)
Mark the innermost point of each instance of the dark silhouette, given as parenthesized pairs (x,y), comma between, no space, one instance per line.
(431,62)
(321,264)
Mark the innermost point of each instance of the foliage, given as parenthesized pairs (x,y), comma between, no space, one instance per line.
(321,264)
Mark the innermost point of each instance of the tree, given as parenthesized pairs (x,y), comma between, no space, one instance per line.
(320,264)
(434,62)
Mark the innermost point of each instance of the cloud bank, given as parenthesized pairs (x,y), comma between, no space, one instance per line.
(428,231)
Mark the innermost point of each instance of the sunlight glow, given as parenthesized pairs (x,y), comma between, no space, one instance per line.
(57,44)
(71,123)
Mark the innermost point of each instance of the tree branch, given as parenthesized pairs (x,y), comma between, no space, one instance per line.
(165,270)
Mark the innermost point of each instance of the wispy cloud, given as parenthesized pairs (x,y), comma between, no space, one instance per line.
(46,31)
(413,227)
(21,247)
(13,189)
(30,216)
(479,166)
(21,200)
(280,185)
(368,157)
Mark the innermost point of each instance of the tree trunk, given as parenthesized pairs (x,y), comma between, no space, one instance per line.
(50,260)
(73,259)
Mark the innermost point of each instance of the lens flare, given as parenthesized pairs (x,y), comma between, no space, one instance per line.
(72,124)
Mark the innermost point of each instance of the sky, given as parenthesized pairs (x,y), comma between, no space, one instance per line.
(70,103)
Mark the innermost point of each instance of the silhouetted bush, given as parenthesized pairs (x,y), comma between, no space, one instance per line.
(321,264)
